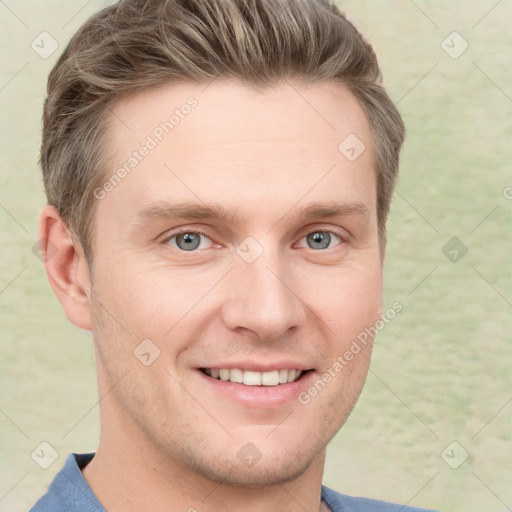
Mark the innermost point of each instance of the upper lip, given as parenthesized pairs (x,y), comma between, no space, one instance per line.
(253,366)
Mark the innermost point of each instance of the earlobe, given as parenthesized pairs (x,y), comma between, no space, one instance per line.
(66,267)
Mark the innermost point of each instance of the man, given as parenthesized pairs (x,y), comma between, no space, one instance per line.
(218,178)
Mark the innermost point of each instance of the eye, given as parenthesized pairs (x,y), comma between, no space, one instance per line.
(188,240)
(320,240)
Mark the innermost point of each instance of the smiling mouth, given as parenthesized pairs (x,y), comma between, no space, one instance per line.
(251,378)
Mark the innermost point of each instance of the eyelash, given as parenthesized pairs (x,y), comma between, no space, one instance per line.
(195,231)
(201,232)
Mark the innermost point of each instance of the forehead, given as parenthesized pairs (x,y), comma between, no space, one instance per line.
(232,144)
(317,112)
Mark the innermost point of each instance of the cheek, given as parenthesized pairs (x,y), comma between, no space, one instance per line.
(157,302)
(347,299)
(160,302)
(363,299)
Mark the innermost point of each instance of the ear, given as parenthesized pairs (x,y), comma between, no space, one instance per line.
(66,267)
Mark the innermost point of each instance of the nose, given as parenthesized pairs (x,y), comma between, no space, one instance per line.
(262,299)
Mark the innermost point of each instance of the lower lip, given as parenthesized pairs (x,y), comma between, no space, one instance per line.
(259,397)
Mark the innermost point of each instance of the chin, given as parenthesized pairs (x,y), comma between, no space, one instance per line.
(266,472)
(251,461)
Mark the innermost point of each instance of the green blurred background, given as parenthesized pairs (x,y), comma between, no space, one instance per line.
(433,425)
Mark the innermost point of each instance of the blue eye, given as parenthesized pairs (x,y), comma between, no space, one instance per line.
(194,240)
(188,240)
(319,240)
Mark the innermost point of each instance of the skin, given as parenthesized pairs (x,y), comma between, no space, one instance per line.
(167,435)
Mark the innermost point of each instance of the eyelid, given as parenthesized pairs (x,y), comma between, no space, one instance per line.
(343,234)
(179,231)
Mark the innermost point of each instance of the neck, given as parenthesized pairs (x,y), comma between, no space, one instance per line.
(126,480)
(129,474)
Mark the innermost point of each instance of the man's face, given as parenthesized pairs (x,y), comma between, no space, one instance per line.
(258,291)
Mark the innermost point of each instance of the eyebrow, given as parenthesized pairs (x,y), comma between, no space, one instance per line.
(163,210)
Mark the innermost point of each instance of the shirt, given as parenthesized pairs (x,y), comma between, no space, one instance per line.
(69,492)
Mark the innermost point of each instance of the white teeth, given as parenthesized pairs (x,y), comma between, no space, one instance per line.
(250,378)
(270,378)
(236,375)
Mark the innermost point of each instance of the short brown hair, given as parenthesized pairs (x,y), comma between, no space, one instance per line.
(137,44)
